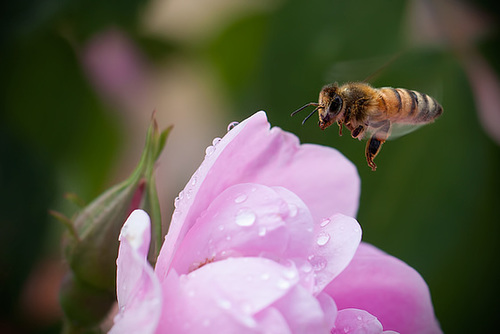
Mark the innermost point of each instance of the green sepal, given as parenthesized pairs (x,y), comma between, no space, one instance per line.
(90,244)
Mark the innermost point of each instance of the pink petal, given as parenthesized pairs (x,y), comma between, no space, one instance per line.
(354,321)
(251,220)
(224,296)
(272,321)
(304,313)
(388,289)
(138,289)
(252,153)
(329,308)
(336,242)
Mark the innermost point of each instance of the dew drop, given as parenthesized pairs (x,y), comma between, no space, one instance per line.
(325,222)
(306,267)
(216,141)
(176,202)
(245,217)
(322,238)
(232,125)
(221,227)
(262,231)
(224,303)
(209,151)
(241,198)
(317,262)
(283,284)
(194,180)
(290,273)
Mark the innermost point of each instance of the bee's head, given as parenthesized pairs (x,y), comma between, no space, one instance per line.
(330,105)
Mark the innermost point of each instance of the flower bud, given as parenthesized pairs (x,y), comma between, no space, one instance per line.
(90,244)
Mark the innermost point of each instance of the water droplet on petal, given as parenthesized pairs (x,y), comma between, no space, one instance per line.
(317,262)
(194,180)
(224,303)
(262,231)
(221,227)
(232,125)
(283,284)
(241,198)
(216,141)
(245,217)
(325,222)
(209,151)
(322,238)
(176,202)
(293,210)
(306,267)
(290,273)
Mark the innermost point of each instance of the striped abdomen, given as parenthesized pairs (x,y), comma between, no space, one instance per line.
(409,106)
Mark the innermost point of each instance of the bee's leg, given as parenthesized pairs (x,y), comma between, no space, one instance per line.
(340,123)
(372,148)
(358,132)
(375,143)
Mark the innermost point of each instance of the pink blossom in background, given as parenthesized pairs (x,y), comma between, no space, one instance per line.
(263,241)
(117,69)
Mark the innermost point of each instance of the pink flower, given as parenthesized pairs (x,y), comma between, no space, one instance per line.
(262,241)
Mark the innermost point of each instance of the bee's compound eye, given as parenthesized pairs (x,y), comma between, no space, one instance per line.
(336,105)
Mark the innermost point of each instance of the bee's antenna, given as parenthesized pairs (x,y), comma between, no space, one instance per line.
(303,107)
(309,116)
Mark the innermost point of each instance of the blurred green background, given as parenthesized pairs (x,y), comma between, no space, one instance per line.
(80,79)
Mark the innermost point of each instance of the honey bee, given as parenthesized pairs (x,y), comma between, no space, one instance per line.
(372,112)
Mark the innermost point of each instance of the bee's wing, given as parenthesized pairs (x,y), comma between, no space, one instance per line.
(363,69)
(397,130)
